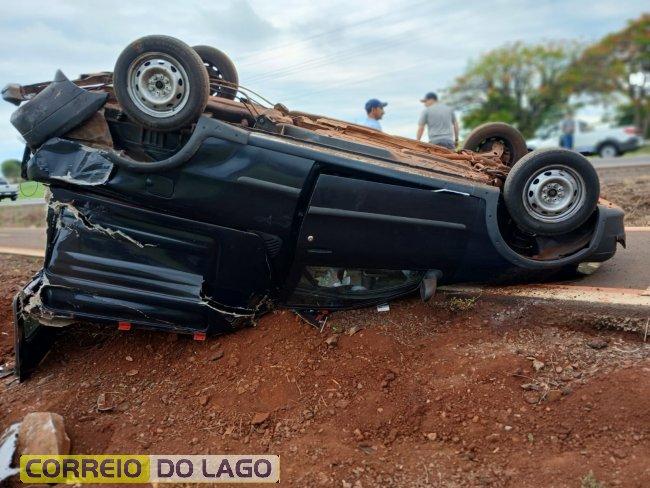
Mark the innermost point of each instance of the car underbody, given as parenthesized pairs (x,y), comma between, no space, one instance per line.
(204,229)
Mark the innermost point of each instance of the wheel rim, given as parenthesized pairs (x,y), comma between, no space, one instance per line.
(554,194)
(608,152)
(158,84)
(218,85)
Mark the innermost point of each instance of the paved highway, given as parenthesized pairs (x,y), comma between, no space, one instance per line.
(622,162)
(22,201)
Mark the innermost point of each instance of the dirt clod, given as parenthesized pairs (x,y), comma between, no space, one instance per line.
(597,343)
(332,340)
(260,418)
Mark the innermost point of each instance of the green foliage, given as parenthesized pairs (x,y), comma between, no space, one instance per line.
(603,70)
(590,481)
(31,189)
(11,169)
(529,86)
(518,83)
(626,114)
(456,304)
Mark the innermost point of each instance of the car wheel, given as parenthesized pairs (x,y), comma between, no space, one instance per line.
(161,83)
(551,191)
(14,198)
(608,150)
(484,136)
(222,73)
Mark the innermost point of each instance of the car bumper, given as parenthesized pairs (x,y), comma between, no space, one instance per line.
(611,231)
(631,144)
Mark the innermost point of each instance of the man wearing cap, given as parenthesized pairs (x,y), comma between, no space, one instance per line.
(440,121)
(374,111)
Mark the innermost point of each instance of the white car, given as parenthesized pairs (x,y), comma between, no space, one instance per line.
(8,190)
(606,142)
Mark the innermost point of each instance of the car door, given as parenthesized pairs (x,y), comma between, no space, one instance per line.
(364,241)
(584,138)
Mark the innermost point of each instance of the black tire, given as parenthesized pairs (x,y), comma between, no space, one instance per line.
(195,87)
(481,138)
(14,198)
(543,162)
(220,68)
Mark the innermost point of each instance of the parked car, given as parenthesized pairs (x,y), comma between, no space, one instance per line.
(176,207)
(607,142)
(7,190)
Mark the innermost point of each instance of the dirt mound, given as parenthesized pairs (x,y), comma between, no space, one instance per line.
(633,195)
(417,396)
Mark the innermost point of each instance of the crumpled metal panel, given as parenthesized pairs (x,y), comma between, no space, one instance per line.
(63,160)
(108,260)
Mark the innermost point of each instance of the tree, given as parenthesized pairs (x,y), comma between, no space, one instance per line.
(517,83)
(11,169)
(604,68)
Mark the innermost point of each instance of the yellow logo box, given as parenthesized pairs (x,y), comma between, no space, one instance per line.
(133,468)
(80,468)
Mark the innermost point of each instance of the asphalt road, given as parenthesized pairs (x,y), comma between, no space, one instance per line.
(622,162)
(627,269)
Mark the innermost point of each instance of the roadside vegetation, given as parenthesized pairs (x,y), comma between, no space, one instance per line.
(532,85)
(30,189)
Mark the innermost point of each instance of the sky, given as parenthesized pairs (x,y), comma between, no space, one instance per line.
(326,57)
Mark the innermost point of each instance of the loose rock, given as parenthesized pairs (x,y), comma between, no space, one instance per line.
(332,340)
(553,395)
(43,433)
(260,418)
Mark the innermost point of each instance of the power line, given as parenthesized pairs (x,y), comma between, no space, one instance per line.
(352,82)
(344,55)
(330,32)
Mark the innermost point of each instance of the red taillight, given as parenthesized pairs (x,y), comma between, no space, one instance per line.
(631,130)
(199,336)
(124,326)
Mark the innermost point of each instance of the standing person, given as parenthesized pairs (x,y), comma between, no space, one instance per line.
(374,113)
(440,121)
(568,128)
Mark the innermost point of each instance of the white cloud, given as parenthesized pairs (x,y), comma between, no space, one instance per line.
(326,57)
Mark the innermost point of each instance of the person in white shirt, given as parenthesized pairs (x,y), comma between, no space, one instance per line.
(374,111)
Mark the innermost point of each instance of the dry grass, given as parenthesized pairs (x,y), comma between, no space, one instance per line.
(22,216)
(633,195)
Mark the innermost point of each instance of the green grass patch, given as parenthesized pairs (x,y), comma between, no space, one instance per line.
(31,189)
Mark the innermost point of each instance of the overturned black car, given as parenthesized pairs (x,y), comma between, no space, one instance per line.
(182,201)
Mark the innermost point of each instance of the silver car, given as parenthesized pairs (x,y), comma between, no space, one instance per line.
(8,190)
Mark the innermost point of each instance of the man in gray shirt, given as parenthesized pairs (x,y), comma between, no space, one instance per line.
(440,121)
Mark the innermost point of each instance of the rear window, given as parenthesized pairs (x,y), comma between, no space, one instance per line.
(3,181)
